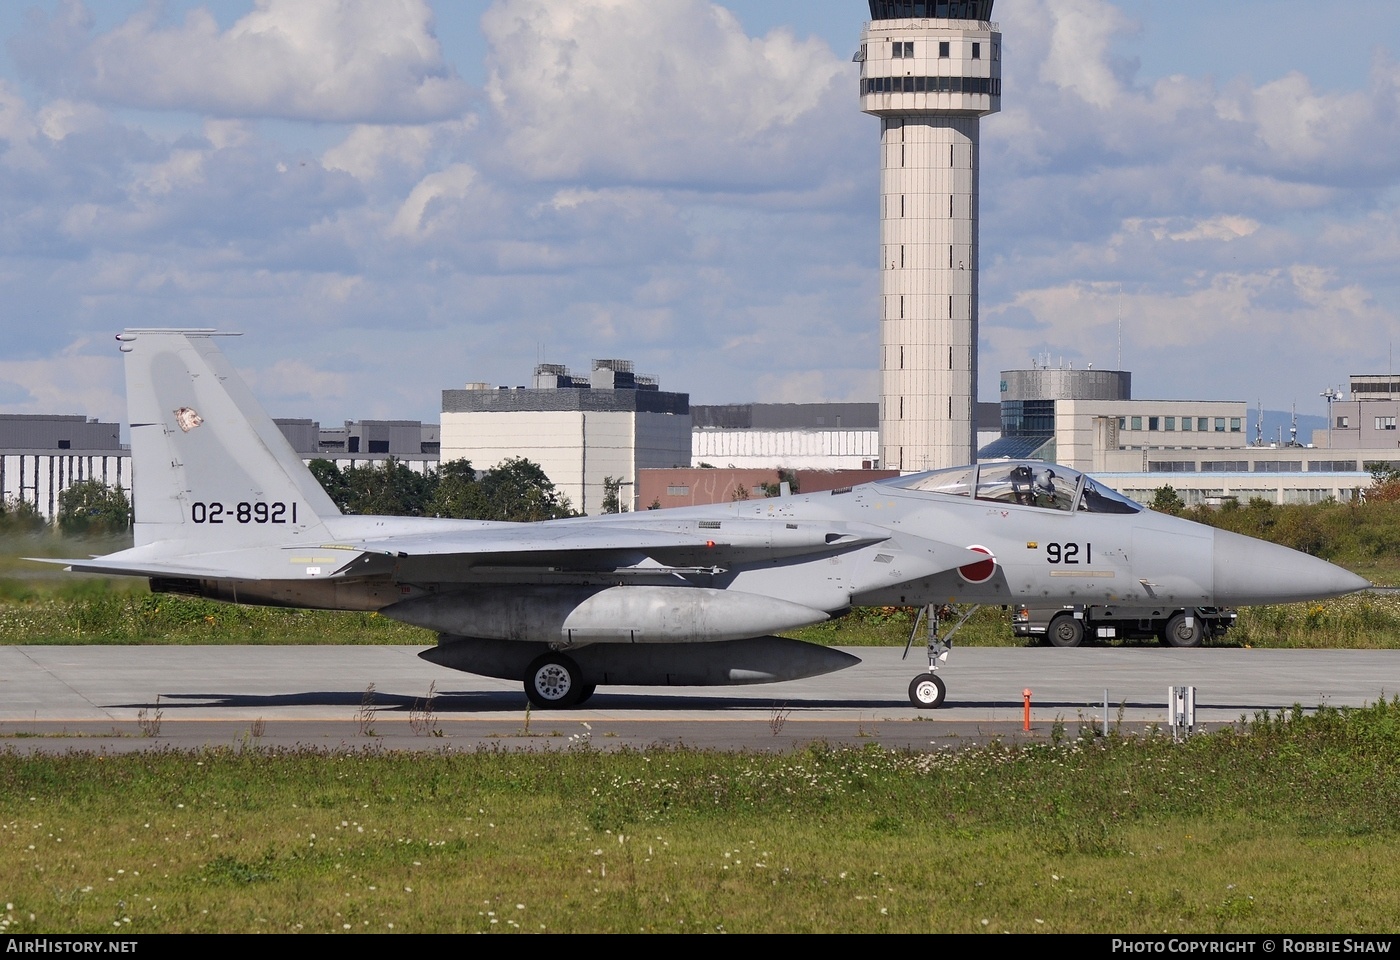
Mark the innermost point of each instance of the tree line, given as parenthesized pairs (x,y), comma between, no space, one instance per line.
(515,489)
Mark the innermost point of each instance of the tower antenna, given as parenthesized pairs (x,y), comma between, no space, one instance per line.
(1120,324)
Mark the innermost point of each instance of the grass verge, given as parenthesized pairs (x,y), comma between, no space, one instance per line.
(1229,832)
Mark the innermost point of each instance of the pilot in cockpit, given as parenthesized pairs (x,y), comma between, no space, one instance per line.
(1044,488)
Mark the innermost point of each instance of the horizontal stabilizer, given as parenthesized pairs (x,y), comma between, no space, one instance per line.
(257,563)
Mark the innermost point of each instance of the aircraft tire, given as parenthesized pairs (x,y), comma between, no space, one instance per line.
(1178,634)
(1065,631)
(585,692)
(927,692)
(553,681)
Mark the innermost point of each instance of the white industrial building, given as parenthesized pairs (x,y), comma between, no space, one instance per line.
(815,436)
(800,436)
(580,431)
(1086,419)
(929,71)
(42,455)
(359,442)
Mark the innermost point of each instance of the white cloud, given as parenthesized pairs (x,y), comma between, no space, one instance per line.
(17,131)
(369,151)
(62,118)
(296,383)
(1077,58)
(325,60)
(666,92)
(1224,227)
(436,189)
(70,382)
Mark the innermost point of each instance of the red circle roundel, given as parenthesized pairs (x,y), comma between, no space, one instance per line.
(981,571)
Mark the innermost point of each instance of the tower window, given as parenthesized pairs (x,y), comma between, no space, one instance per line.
(977,51)
(902,51)
(943,49)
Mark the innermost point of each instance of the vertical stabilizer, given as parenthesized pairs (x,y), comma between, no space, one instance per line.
(207,463)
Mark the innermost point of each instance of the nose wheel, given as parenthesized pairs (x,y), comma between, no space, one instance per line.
(927,691)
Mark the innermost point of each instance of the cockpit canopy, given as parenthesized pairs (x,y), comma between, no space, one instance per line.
(1029,483)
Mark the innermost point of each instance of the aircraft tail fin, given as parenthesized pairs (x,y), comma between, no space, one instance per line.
(207,463)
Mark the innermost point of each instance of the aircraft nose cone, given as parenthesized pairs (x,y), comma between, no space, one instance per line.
(1251,571)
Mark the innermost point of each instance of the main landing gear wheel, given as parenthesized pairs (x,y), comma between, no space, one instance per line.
(927,691)
(1065,631)
(1184,630)
(553,681)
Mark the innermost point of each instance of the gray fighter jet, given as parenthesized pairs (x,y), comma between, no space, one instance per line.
(224,508)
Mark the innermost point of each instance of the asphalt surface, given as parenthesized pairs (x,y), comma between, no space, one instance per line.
(118,699)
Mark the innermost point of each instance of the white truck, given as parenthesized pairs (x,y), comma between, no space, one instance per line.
(1062,626)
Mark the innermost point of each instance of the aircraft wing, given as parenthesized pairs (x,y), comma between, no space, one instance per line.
(585,545)
(646,546)
(461,553)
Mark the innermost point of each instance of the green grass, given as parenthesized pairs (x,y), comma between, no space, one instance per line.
(1288,826)
(100,612)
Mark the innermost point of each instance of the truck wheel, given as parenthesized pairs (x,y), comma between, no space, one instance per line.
(1065,631)
(1184,630)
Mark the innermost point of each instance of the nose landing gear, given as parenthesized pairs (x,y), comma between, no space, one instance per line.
(927,691)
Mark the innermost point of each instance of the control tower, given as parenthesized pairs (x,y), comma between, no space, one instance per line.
(929,69)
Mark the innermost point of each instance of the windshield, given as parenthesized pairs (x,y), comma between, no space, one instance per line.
(1029,483)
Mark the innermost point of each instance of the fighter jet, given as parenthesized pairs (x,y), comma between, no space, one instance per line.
(226,509)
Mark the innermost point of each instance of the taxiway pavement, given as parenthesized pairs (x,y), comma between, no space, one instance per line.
(113,698)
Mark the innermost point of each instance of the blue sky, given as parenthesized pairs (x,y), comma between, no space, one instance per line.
(394,197)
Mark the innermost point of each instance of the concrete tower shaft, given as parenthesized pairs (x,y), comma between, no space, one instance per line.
(929,78)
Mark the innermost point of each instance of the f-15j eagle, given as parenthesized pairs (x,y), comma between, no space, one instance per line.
(224,508)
